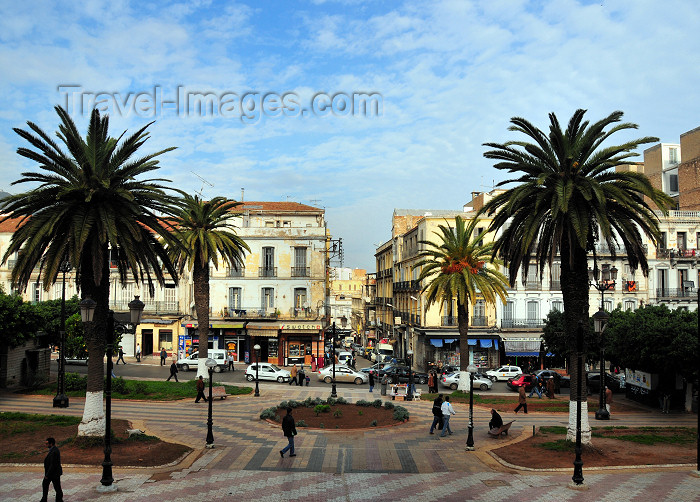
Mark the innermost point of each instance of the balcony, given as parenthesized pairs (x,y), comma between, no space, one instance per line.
(555,285)
(677,254)
(11,264)
(479,321)
(676,293)
(533,285)
(267,272)
(150,306)
(232,273)
(301,271)
(522,323)
(449,320)
(250,313)
(630,286)
(407,286)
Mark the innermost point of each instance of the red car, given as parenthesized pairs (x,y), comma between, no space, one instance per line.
(521,380)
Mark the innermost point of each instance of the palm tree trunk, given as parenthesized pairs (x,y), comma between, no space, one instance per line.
(93,422)
(574,281)
(463,323)
(200,279)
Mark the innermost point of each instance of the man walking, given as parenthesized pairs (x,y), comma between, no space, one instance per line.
(301,376)
(121,356)
(52,471)
(289,429)
(293,374)
(371,381)
(230,362)
(173,372)
(447,411)
(536,388)
(437,413)
(522,399)
(200,390)
(138,353)
(163,356)
(609,399)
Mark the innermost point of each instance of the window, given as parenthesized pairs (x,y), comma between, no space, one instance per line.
(480,231)
(269,223)
(556,277)
(165,338)
(532,278)
(37,292)
(127,293)
(268,264)
(608,305)
(234,298)
(169,296)
(629,305)
(663,243)
(680,240)
(299,269)
(508,310)
(268,298)
(673,183)
(558,305)
(673,155)
(299,298)
(479,308)
(533,313)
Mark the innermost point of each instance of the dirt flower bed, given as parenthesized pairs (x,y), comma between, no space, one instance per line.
(610,447)
(28,447)
(351,417)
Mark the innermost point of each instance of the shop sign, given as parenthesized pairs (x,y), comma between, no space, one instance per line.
(306,326)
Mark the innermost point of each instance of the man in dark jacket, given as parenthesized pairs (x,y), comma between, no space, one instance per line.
(290,430)
(496,420)
(173,372)
(52,471)
(200,390)
(437,413)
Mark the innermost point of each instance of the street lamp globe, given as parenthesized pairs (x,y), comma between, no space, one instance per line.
(136,307)
(87,309)
(600,321)
(210,364)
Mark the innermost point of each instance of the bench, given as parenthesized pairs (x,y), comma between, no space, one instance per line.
(218,392)
(503,429)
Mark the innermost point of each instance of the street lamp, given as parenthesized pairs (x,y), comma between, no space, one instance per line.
(600,319)
(256,348)
(210,364)
(470,437)
(409,394)
(87,313)
(334,394)
(61,400)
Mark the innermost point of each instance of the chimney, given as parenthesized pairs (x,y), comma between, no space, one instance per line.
(242,193)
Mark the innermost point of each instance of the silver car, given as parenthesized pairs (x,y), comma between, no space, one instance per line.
(342,374)
(452,381)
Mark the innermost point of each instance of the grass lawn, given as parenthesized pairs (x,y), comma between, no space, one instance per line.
(146,390)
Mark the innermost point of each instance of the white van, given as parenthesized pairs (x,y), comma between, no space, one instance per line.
(191,361)
(344,358)
(383,352)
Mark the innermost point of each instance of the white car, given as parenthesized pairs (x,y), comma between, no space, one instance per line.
(342,374)
(504,373)
(452,381)
(267,371)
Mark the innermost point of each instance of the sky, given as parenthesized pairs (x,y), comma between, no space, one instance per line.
(356,107)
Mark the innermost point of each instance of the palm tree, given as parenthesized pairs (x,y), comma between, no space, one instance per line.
(87,203)
(457,267)
(569,197)
(205,232)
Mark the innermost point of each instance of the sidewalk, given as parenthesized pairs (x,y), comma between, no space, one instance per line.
(395,463)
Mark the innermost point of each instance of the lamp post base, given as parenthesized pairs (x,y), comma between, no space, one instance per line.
(334,394)
(60,401)
(209,446)
(107,488)
(602,414)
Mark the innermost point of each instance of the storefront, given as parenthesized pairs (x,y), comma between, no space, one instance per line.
(189,341)
(265,334)
(440,348)
(300,341)
(233,335)
(523,349)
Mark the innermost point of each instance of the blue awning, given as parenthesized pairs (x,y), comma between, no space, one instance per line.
(525,354)
(523,346)
(485,344)
(436,342)
(449,340)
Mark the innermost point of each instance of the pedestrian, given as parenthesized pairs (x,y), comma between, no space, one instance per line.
(289,429)
(496,421)
(163,356)
(384,382)
(293,374)
(52,471)
(313,363)
(431,381)
(437,414)
(522,400)
(371,380)
(230,362)
(138,353)
(550,387)
(301,376)
(200,390)
(447,411)
(173,372)
(121,355)
(609,399)
(536,388)
(308,380)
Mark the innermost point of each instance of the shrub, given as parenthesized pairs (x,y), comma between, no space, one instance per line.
(322,425)
(338,413)
(283,405)
(331,401)
(119,386)
(389,405)
(321,408)
(400,413)
(363,402)
(74,381)
(360,413)
(139,387)
(293,404)
(377,403)
(268,413)
(373,423)
(341,400)
(301,423)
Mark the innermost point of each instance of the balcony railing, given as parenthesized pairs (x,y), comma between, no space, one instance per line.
(449,320)
(533,285)
(407,286)
(479,321)
(677,254)
(522,323)
(251,312)
(690,293)
(301,271)
(267,272)
(151,306)
(232,273)
(555,285)
(630,286)
(11,264)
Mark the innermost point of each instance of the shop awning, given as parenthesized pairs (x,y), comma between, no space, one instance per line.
(237,325)
(268,329)
(271,333)
(301,328)
(436,342)
(528,346)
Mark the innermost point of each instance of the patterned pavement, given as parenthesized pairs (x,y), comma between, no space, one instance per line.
(394,463)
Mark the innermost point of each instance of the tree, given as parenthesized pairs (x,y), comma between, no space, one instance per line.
(457,266)
(557,341)
(49,313)
(88,203)
(205,233)
(18,320)
(568,197)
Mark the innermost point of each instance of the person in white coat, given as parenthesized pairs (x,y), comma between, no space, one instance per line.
(447,412)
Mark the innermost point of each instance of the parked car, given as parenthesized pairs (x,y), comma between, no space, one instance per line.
(521,380)
(593,382)
(191,361)
(342,374)
(547,374)
(267,371)
(451,380)
(399,374)
(379,368)
(504,373)
(77,360)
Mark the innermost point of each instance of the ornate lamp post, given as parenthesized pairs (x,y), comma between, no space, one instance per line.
(61,400)
(333,390)
(470,437)
(600,319)
(211,364)
(87,313)
(409,393)
(256,348)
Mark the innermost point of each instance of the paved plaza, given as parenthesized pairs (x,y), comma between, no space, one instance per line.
(393,463)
